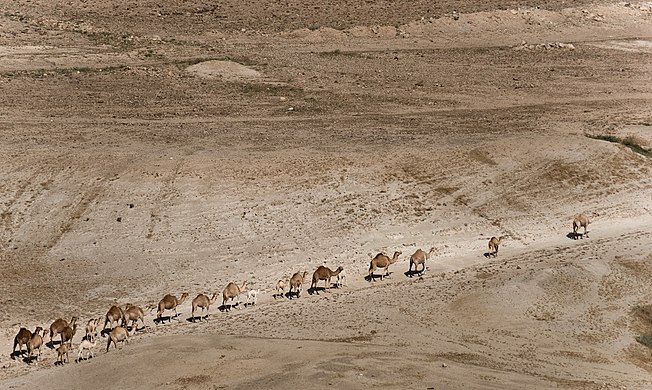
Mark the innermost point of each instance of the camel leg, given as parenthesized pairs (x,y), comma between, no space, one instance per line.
(176,315)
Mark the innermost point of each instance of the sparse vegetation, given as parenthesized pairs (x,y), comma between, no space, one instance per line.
(645,339)
(630,141)
(63,71)
(338,52)
(643,318)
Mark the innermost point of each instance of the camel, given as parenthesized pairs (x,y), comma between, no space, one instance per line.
(115,314)
(382,261)
(118,334)
(582,220)
(232,291)
(63,351)
(205,303)
(493,245)
(35,344)
(420,257)
(68,333)
(22,338)
(325,274)
(133,313)
(281,285)
(296,281)
(170,302)
(341,279)
(86,345)
(58,325)
(252,297)
(91,328)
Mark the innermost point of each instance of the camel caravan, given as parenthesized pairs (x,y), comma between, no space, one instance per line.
(121,323)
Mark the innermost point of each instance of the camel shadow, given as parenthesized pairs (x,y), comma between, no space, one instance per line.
(160,320)
(490,254)
(575,236)
(316,290)
(410,274)
(29,360)
(199,318)
(289,294)
(50,344)
(228,307)
(83,358)
(135,329)
(372,277)
(15,354)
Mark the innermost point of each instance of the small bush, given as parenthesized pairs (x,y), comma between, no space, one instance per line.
(645,339)
(632,142)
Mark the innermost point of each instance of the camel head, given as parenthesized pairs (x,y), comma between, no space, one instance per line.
(214,297)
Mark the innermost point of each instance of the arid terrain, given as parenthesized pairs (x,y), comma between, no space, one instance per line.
(174,146)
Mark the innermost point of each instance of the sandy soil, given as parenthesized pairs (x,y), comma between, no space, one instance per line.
(168,147)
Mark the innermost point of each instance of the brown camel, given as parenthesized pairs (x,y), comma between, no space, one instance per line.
(170,302)
(62,352)
(91,328)
(582,221)
(68,333)
(382,261)
(281,285)
(115,314)
(231,292)
(296,283)
(118,334)
(22,338)
(134,314)
(203,302)
(494,243)
(324,273)
(35,344)
(57,327)
(419,258)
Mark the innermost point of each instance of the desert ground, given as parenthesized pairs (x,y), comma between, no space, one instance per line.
(153,148)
